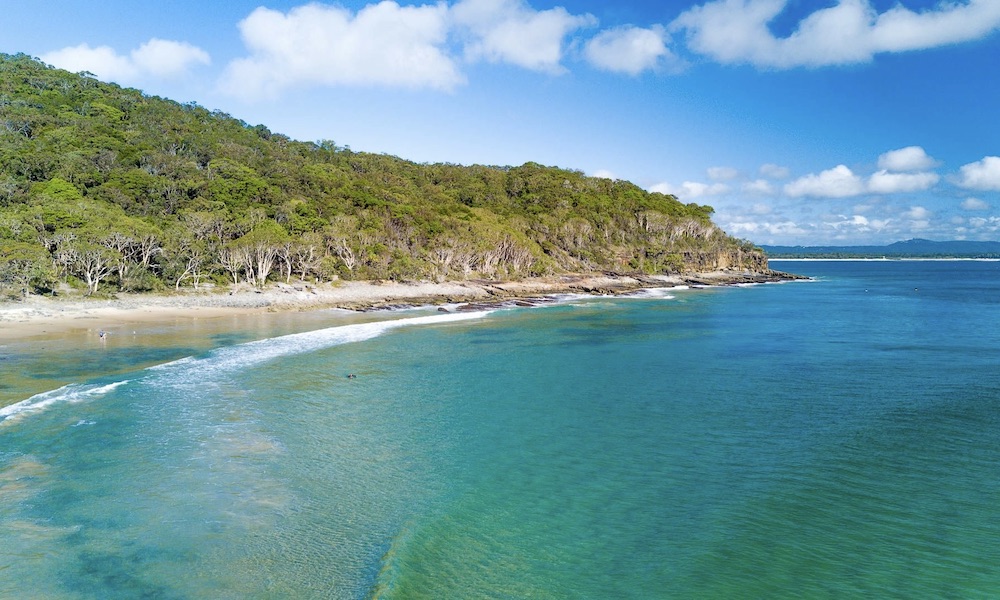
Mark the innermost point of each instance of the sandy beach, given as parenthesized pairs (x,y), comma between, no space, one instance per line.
(39,315)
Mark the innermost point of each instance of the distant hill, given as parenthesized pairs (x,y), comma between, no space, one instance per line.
(915,248)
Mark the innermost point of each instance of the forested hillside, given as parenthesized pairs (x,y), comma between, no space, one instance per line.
(104,188)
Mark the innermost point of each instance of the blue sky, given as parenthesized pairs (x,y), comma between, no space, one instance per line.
(828,121)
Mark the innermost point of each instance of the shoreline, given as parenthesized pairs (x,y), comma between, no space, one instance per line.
(37,315)
(887,259)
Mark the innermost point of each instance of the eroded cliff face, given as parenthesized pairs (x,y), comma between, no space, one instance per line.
(727,259)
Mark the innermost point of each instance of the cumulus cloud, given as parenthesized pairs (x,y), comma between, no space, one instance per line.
(775,171)
(981,175)
(841,182)
(382,44)
(689,190)
(386,44)
(777,228)
(857,223)
(911,158)
(851,31)
(838,182)
(974,204)
(630,50)
(884,182)
(102,61)
(759,186)
(917,213)
(879,224)
(157,58)
(985,224)
(165,58)
(722,173)
(510,31)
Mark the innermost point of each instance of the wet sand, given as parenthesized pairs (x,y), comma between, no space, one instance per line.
(45,316)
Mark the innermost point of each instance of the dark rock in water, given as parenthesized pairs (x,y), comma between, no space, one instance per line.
(478,306)
(443,309)
(385,307)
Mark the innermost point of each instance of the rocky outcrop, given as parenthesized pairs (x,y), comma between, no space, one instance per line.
(739,258)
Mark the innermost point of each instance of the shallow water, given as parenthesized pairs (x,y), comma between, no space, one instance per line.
(835,438)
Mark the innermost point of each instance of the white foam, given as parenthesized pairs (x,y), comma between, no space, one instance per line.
(656,293)
(252,353)
(69,394)
(229,359)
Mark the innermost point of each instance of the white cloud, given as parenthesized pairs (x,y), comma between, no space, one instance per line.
(838,182)
(158,58)
(974,204)
(917,213)
(775,171)
(981,175)
(722,173)
(787,228)
(899,29)
(510,31)
(689,190)
(165,58)
(102,61)
(851,31)
(855,223)
(911,158)
(630,50)
(382,44)
(603,174)
(884,182)
(987,224)
(759,186)
(386,44)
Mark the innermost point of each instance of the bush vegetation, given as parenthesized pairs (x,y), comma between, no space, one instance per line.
(106,188)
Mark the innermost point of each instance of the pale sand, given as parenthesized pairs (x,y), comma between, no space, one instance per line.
(37,315)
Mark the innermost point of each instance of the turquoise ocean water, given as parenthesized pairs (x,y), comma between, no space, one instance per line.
(826,439)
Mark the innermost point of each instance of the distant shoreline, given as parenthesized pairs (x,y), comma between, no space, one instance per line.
(884,259)
(37,315)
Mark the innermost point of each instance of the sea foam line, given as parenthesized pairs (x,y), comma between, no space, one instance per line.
(231,358)
(71,394)
(252,353)
(661,293)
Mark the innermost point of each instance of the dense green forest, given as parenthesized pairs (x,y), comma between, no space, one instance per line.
(104,188)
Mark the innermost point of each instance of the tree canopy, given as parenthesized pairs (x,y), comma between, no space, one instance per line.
(104,185)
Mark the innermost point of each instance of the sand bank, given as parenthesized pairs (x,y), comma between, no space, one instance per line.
(38,315)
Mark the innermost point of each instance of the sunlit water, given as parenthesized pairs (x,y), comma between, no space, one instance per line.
(833,438)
